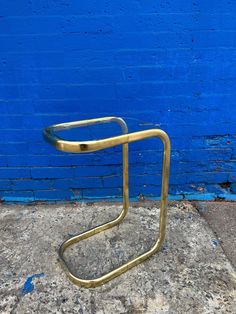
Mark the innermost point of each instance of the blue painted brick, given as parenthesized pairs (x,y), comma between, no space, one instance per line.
(167,64)
(228,197)
(102,193)
(233,187)
(14,173)
(231,177)
(53,195)
(5,185)
(51,173)
(79,183)
(17,196)
(200,197)
(31,185)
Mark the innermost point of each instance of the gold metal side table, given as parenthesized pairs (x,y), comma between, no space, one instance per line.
(91,146)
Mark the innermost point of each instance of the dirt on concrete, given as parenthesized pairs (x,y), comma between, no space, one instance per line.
(191,273)
(221,217)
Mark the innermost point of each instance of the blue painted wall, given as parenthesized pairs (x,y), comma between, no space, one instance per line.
(168,64)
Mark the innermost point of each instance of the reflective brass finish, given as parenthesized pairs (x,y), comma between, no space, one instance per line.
(90,146)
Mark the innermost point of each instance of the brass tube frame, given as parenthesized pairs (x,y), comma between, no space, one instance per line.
(91,146)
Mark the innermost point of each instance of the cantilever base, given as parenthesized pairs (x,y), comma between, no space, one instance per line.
(112,274)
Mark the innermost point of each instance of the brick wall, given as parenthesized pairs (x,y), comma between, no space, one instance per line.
(168,64)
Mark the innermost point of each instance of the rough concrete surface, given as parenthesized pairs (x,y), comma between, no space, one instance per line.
(221,217)
(191,274)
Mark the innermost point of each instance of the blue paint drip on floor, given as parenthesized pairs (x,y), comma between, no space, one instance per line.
(28,285)
(214,243)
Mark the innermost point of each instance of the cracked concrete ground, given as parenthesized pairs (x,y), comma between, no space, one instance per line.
(191,273)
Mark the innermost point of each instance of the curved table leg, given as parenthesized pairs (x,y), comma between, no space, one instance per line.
(103,227)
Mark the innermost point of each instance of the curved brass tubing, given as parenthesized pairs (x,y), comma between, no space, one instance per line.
(89,146)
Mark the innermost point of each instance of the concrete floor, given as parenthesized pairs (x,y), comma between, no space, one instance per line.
(191,273)
(221,217)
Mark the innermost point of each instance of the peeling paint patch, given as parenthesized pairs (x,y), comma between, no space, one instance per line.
(28,285)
